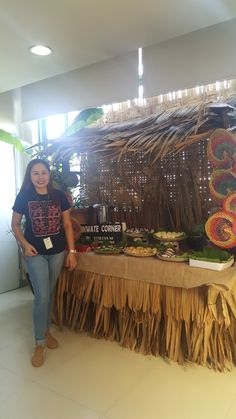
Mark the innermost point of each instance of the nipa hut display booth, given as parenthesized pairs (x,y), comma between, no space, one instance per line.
(156,176)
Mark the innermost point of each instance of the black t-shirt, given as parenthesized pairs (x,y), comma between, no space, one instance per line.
(43,215)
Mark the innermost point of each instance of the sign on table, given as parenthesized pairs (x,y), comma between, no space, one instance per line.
(98,232)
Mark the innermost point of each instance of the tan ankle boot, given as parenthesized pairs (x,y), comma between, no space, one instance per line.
(38,357)
(51,342)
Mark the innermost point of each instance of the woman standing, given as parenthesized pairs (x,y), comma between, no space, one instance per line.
(48,227)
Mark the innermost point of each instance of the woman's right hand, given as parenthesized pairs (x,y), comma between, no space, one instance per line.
(30,250)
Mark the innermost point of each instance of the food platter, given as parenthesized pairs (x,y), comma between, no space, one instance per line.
(140,254)
(173,259)
(167,239)
(108,251)
(134,235)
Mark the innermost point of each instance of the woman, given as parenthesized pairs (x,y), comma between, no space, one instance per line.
(47,228)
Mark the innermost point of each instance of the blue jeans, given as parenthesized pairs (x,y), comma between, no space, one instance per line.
(43,271)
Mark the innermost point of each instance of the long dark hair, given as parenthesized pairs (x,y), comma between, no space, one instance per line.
(27,185)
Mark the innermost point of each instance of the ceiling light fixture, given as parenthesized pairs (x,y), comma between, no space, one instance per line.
(40,50)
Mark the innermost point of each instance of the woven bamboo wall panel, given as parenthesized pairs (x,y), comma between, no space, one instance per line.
(172,193)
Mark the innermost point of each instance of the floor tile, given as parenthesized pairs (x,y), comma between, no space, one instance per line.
(87,378)
(174,392)
(99,376)
(17,357)
(32,401)
(9,384)
(231,413)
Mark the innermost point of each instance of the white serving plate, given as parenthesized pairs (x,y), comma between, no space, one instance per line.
(211,265)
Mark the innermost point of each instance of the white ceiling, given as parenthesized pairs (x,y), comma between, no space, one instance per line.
(84,32)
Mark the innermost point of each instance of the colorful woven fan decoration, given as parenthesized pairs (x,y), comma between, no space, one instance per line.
(220,229)
(229,203)
(221,226)
(221,150)
(222,184)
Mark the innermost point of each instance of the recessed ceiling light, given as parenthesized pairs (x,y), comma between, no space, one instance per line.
(40,50)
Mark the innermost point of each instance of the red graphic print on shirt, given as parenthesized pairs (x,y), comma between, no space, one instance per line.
(45,217)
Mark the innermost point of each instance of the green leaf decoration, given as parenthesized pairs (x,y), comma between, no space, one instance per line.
(211,254)
(85,118)
(198,231)
(6,137)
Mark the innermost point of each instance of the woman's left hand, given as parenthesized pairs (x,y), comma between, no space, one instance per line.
(71,261)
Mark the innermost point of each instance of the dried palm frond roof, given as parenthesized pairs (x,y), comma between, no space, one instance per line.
(157,135)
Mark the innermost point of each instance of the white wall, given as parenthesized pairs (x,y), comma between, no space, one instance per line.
(10,120)
(106,82)
(7,110)
(9,272)
(200,57)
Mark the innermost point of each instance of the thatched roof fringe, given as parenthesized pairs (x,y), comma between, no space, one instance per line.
(156,135)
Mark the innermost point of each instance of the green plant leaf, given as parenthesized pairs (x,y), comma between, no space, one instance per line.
(6,137)
(85,118)
(211,254)
(197,231)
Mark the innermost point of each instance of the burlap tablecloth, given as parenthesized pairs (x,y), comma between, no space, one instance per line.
(152,270)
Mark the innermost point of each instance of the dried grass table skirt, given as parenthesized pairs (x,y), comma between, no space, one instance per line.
(183,324)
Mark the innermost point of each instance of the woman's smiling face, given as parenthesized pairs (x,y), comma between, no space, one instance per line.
(40,176)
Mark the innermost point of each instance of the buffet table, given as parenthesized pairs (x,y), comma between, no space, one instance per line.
(153,307)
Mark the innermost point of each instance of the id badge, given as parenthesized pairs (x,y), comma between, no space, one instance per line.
(48,243)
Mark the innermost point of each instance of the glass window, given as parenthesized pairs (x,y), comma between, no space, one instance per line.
(55,126)
(71,116)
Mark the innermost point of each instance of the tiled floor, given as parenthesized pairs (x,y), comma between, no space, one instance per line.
(87,378)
